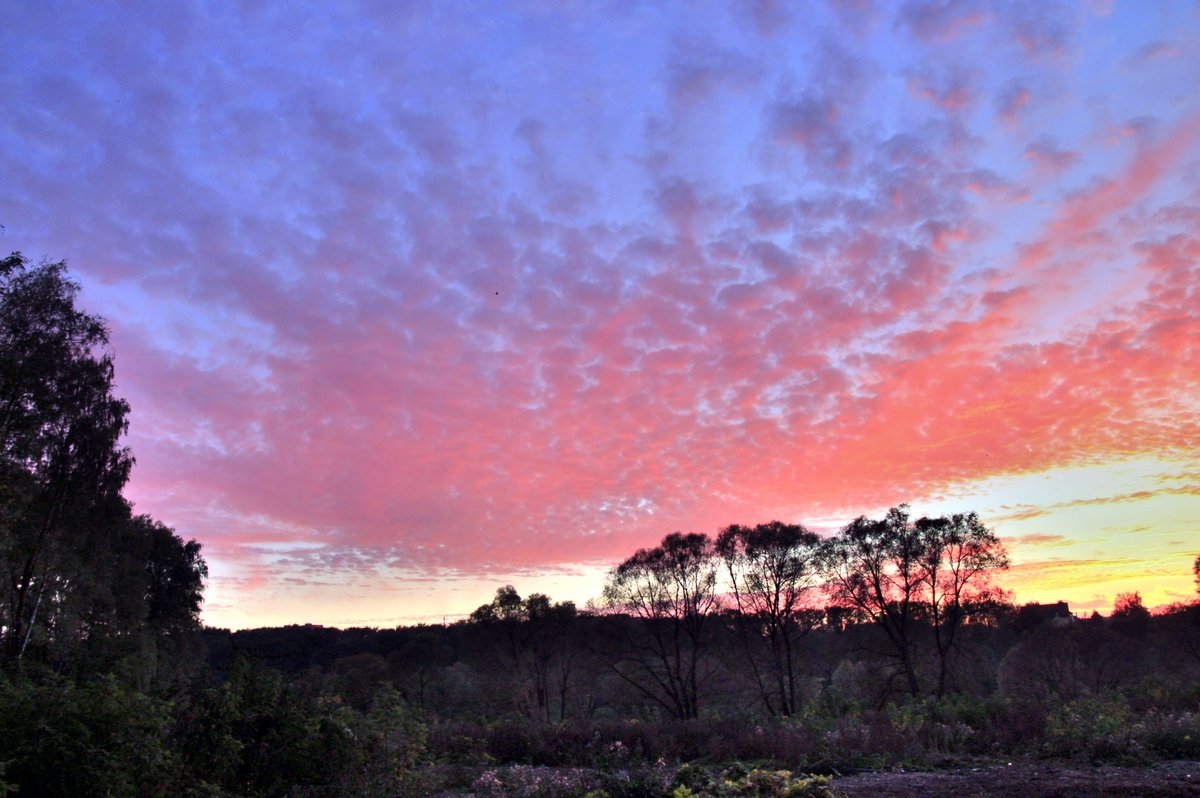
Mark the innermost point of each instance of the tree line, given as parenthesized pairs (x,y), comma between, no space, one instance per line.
(768,624)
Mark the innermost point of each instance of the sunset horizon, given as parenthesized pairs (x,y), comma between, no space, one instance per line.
(411,302)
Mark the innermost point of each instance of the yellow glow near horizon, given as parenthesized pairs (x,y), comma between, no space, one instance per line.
(1085,533)
(382,600)
(1081,534)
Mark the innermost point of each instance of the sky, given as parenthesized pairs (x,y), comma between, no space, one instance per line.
(414,300)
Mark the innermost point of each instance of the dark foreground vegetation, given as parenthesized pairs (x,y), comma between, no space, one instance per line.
(735,665)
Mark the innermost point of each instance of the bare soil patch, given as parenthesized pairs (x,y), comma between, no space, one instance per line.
(1028,780)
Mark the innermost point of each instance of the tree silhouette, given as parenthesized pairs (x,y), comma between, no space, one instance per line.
(61,463)
(671,590)
(772,570)
(535,638)
(83,581)
(875,568)
(959,554)
(1130,616)
(901,575)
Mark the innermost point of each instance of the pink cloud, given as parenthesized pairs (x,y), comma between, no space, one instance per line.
(1011,101)
(1081,212)
(951,88)
(806,122)
(769,17)
(700,69)
(1039,539)
(466,298)
(1042,29)
(1046,156)
(941,20)
(1155,50)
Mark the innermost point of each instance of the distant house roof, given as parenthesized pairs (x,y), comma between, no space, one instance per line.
(1056,614)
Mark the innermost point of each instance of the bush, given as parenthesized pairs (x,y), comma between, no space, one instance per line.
(536,782)
(1097,728)
(736,781)
(1170,736)
(511,742)
(58,739)
(867,740)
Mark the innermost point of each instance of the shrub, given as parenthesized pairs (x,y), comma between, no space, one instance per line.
(867,740)
(737,781)
(1170,736)
(1098,728)
(510,742)
(536,782)
(96,739)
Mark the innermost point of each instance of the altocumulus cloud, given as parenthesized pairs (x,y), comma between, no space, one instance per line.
(422,288)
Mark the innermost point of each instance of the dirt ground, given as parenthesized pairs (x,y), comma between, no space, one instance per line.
(1028,780)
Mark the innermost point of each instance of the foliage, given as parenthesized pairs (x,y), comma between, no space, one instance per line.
(260,734)
(1170,735)
(901,575)
(525,781)
(671,589)
(1059,665)
(59,739)
(772,571)
(1107,728)
(534,637)
(537,782)
(1178,630)
(692,781)
(61,465)
(1099,728)
(874,568)
(1130,617)
(959,556)
(87,588)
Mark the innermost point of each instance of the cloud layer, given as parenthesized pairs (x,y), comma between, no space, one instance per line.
(411,288)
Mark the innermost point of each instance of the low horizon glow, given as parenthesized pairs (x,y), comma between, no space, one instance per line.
(414,300)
